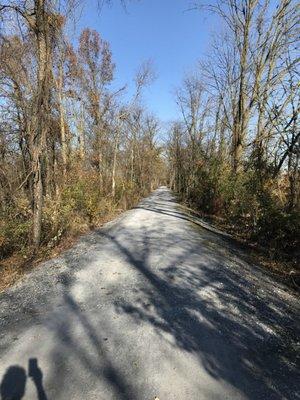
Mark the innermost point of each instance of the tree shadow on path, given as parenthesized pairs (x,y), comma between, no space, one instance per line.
(241,332)
(87,350)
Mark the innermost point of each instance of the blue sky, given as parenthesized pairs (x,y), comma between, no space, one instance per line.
(160,30)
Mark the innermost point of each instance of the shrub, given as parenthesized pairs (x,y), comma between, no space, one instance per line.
(279,231)
(15,228)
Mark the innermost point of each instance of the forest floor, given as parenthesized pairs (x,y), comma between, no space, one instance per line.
(155,303)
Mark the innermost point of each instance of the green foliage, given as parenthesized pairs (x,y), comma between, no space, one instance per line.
(84,197)
(15,227)
(278,230)
(80,206)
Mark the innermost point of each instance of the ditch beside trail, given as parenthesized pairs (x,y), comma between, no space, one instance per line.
(155,303)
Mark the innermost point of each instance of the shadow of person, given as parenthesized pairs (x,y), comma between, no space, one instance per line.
(13,383)
(36,375)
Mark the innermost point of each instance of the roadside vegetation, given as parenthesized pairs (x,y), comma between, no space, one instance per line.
(73,152)
(234,154)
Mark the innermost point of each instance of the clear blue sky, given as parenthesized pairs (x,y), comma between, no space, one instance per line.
(162,30)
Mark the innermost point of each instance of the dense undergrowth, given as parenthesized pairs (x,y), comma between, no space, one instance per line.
(80,206)
(77,208)
(255,211)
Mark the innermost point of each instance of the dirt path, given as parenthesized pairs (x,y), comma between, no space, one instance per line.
(150,305)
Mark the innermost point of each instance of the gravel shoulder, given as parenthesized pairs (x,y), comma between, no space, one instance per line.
(155,303)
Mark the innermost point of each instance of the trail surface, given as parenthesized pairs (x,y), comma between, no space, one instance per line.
(152,304)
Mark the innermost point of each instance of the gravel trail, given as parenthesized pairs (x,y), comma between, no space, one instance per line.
(154,303)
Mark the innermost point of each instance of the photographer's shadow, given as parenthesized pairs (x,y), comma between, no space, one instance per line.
(13,384)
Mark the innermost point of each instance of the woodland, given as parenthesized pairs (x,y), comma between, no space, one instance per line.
(74,153)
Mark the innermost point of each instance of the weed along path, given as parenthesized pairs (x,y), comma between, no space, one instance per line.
(151,305)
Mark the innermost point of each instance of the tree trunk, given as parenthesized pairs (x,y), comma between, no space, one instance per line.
(38,204)
(113,180)
(81,136)
(242,114)
(64,150)
(41,30)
